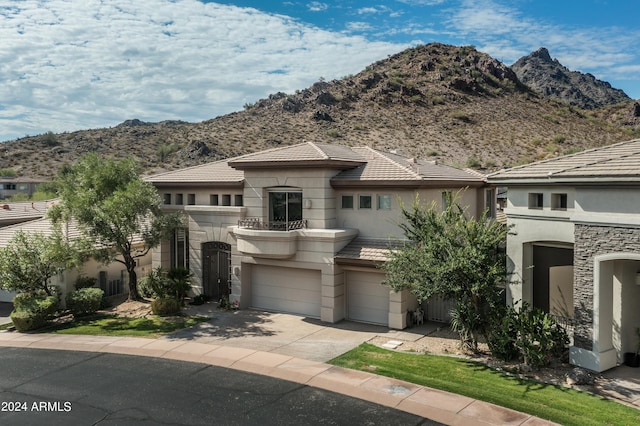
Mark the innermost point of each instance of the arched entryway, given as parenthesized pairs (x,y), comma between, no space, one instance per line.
(216,269)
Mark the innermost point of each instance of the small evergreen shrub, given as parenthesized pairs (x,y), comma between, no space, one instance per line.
(529,334)
(27,320)
(165,306)
(35,303)
(85,301)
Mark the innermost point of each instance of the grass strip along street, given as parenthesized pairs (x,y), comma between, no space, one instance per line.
(475,380)
(121,326)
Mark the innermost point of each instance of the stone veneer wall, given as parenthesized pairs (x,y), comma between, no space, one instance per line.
(591,241)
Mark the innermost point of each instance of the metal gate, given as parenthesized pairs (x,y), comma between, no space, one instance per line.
(216,271)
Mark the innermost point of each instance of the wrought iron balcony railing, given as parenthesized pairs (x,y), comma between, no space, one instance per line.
(256,223)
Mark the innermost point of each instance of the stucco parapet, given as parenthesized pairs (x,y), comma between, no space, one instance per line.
(533,214)
(218,210)
(607,219)
(328,235)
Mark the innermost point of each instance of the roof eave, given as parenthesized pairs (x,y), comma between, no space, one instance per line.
(199,184)
(328,163)
(427,183)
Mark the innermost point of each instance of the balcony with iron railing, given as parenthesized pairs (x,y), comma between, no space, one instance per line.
(278,225)
(277,239)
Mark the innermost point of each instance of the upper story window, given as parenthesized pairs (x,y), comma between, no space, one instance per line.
(536,200)
(490,202)
(285,206)
(166,198)
(226,199)
(384,202)
(213,199)
(237,200)
(558,201)
(447,199)
(365,202)
(347,201)
(191,199)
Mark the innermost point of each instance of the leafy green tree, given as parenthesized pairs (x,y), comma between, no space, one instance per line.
(115,207)
(455,257)
(30,260)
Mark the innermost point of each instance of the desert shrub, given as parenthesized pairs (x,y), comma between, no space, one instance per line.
(155,284)
(85,282)
(529,334)
(162,284)
(461,116)
(36,303)
(473,163)
(84,301)
(165,306)
(7,172)
(27,320)
(180,283)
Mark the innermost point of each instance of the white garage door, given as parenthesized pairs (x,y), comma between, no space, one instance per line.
(290,290)
(367,299)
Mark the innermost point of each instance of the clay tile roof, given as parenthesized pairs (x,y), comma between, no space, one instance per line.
(385,166)
(366,251)
(617,162)
(307,152)
(23,211)
(218,172)
(45,227)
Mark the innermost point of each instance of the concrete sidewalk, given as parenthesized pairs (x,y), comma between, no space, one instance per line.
(433,404)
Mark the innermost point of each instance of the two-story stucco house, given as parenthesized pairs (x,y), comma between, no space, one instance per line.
(576,248)
(10,186)
(302,229)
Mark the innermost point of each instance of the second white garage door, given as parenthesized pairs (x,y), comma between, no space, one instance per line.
(367,299)
(296,291)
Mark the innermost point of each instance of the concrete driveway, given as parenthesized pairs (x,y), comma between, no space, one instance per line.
(285,334)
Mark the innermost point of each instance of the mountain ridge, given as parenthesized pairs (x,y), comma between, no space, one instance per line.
(447,103)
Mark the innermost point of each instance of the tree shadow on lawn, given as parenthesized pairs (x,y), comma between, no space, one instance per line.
(112,325)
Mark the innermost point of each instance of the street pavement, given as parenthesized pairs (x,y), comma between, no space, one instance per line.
(48,387)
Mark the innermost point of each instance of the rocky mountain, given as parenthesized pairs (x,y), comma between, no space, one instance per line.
(446,103)
(550,78)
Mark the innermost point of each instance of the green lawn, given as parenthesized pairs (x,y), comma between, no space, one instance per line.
(120,326)
(475,380)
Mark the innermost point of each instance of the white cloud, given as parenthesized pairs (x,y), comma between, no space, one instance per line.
(68,65)
(504,33)
(316,6)
(422,2)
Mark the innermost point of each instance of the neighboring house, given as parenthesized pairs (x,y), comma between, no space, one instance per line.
(112,278)
(10,186)
(302,229)
(13,213)
(576,248)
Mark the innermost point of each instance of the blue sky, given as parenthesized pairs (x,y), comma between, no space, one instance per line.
(67,65)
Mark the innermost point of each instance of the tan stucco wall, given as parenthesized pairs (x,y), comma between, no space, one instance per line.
(375,223)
